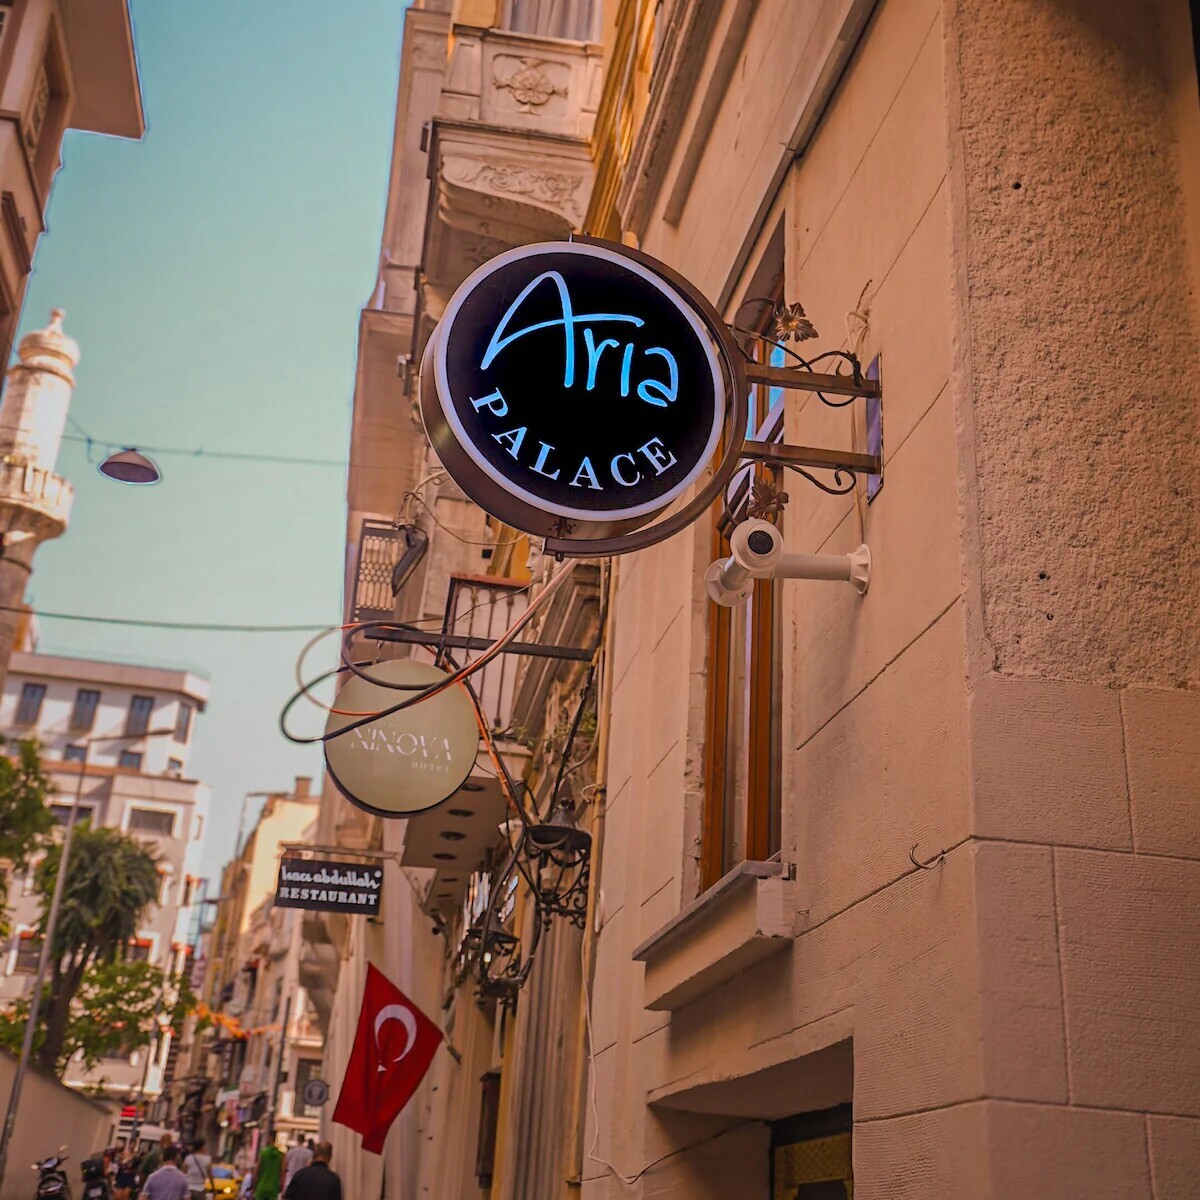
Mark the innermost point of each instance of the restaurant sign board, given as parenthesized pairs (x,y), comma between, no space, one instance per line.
(322,885)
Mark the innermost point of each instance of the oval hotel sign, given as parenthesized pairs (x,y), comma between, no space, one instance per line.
(572,390)
(411,760)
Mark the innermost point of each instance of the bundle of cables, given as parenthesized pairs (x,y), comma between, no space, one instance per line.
(354,629)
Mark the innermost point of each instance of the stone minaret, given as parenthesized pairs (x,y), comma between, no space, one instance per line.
(34,502)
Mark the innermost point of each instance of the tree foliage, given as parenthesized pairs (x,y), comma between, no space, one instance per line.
(25,817)
(113,1013)
(111,880)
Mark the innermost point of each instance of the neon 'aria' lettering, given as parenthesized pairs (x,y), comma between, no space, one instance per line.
(657,392)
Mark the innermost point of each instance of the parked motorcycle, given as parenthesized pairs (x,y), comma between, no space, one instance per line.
(95,1182)
(52,1181)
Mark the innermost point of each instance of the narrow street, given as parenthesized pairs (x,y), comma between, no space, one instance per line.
(599,600)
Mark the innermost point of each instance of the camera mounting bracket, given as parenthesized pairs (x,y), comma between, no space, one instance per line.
(757,553)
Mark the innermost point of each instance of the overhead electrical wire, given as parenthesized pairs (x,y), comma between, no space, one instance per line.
(425,693)
(151,623)
(83,437)
(356,627)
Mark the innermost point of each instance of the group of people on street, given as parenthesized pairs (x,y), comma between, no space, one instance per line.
(165,1172)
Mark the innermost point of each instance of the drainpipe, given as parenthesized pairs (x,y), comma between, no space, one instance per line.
(581,1072)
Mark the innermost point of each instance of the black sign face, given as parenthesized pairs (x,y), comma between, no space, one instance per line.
(324,886)
(578,383)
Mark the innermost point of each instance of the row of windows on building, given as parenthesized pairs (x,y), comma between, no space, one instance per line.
(83,713)
(159,822)
(129,760)
(29,948)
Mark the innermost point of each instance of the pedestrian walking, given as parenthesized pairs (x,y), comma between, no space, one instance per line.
(126,1180)
(298,1157)
(153,1158)
(198,1169)
(318,1181)
(168,1182)
(269,1175)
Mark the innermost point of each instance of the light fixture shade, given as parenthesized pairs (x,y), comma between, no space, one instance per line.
(555,838)
(130,466)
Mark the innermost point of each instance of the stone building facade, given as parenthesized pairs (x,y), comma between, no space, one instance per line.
(981,776)
(895,895)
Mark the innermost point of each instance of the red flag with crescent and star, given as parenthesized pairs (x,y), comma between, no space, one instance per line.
(393,1048)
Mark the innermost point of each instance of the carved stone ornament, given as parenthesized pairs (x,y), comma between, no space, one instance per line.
(529,84)
(543,187)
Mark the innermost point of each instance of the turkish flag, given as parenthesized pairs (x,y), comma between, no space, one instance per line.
(393,1048)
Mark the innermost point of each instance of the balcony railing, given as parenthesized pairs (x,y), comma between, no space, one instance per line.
(35,488)
(484,606)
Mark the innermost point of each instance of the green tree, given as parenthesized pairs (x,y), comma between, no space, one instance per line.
(111,880)
(25,817)
(114,1012)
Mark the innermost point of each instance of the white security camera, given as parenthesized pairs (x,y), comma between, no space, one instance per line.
(757,546)
(757,553)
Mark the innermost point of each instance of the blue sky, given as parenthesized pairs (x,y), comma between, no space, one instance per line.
(212,274)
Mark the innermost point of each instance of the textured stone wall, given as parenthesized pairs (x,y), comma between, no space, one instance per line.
(1080,311)
(1018,688)
(1077,392)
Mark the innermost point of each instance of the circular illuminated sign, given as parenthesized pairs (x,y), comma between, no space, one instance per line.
(407,762)
(571,389)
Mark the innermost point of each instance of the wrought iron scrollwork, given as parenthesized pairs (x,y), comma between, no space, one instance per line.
(839,489)
(562,856)
(791,324)
(553,858)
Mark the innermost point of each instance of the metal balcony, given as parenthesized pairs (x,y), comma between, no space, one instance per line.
(484,606)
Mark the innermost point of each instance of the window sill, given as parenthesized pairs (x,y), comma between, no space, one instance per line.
(746,916)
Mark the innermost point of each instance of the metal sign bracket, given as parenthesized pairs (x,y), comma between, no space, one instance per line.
(455,641)
(852,385)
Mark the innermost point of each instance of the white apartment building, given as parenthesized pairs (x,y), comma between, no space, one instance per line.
(137,780)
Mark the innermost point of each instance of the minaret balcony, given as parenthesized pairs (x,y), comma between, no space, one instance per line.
(44,497)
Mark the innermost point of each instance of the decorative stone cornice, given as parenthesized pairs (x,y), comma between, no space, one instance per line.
(33,500)
(516,81)
(556,191)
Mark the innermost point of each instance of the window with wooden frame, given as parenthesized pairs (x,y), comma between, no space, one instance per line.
(45,117)
(138,950)
(742,747)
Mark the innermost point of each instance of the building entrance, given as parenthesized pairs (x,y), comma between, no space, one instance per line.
(811,1156)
